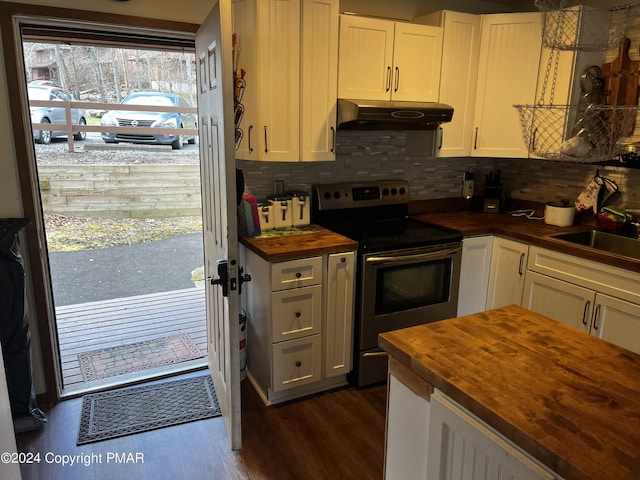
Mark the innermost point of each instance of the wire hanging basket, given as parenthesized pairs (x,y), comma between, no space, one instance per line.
(577,133)
(582,27)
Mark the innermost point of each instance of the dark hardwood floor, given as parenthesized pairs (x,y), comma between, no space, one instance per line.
(333,435)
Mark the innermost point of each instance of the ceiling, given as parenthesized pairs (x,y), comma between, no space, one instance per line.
(197,10)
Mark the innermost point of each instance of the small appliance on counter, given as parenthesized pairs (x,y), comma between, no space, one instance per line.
(559,214)
(265,212)
(281,210)
(492,192)
(300,207)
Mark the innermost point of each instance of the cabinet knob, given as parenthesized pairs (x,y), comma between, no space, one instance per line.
(298,275)
(298,363)
(343,260)
(298,314)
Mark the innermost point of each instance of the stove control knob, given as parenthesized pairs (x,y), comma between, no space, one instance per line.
(385,192)
(327,195)
(402,191)
(394,191)
(336,195)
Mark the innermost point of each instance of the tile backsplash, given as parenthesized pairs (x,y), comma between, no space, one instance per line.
(370,155)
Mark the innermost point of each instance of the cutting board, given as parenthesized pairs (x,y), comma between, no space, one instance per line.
(621,79)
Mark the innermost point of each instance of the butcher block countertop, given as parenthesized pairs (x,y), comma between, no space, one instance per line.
(320,241)
(569,399)
(473,223)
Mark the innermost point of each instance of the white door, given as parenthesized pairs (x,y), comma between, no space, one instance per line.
(215,110)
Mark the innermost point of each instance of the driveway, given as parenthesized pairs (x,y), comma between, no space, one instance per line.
(116,272)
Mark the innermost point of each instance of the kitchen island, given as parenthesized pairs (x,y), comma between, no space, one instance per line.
(568,401)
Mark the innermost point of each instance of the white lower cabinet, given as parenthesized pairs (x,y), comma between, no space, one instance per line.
(300,323)
(598,299)
(606,317)
(432,437)
(506,279)
(474,274)
(462,446)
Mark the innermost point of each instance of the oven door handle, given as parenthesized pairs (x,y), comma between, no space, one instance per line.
(438,255)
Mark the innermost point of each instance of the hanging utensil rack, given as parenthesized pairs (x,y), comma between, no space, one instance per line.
(589,131)
(566,26)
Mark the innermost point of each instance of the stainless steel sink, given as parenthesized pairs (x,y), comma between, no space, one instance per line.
(603,241)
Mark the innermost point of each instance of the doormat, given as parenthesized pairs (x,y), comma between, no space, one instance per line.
(127,411)
(134,357)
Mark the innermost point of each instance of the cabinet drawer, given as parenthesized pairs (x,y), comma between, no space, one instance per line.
(296,362)
(597,276)
(296,313)
(296,273)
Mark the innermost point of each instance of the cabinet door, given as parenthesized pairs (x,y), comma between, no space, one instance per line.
(474,274)
(244,14)
(319,71)
(458,81)
(508,72)
(279,65)
(340,287)
(617,321)
(506,280)
(365,58)
(562,301)
(417,56)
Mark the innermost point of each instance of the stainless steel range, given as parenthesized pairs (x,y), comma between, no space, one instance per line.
(408,271)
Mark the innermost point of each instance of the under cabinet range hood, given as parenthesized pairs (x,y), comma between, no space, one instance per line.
(383,115)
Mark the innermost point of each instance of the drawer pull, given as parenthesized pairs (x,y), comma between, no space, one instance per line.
(596,317)
(520,271)
(298,275)
(298,314)
(298,363)
(584,313)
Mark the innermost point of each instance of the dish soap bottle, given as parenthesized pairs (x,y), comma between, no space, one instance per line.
(467,185)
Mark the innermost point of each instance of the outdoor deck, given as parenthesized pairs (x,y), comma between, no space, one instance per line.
(91,326)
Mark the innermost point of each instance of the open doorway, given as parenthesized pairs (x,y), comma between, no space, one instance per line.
(122,211)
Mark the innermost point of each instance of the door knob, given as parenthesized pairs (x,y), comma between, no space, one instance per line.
(223,277)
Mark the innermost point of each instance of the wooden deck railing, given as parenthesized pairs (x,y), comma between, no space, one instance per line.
(70,127)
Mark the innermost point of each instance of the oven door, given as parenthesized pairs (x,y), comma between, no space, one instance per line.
(403,288)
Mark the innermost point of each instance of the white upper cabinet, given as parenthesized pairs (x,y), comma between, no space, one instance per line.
(386,60)
(458,78)
(319,86)
(289,50)
(508,72)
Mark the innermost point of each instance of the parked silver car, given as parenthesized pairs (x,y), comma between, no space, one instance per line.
(53,115)
(124,118)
